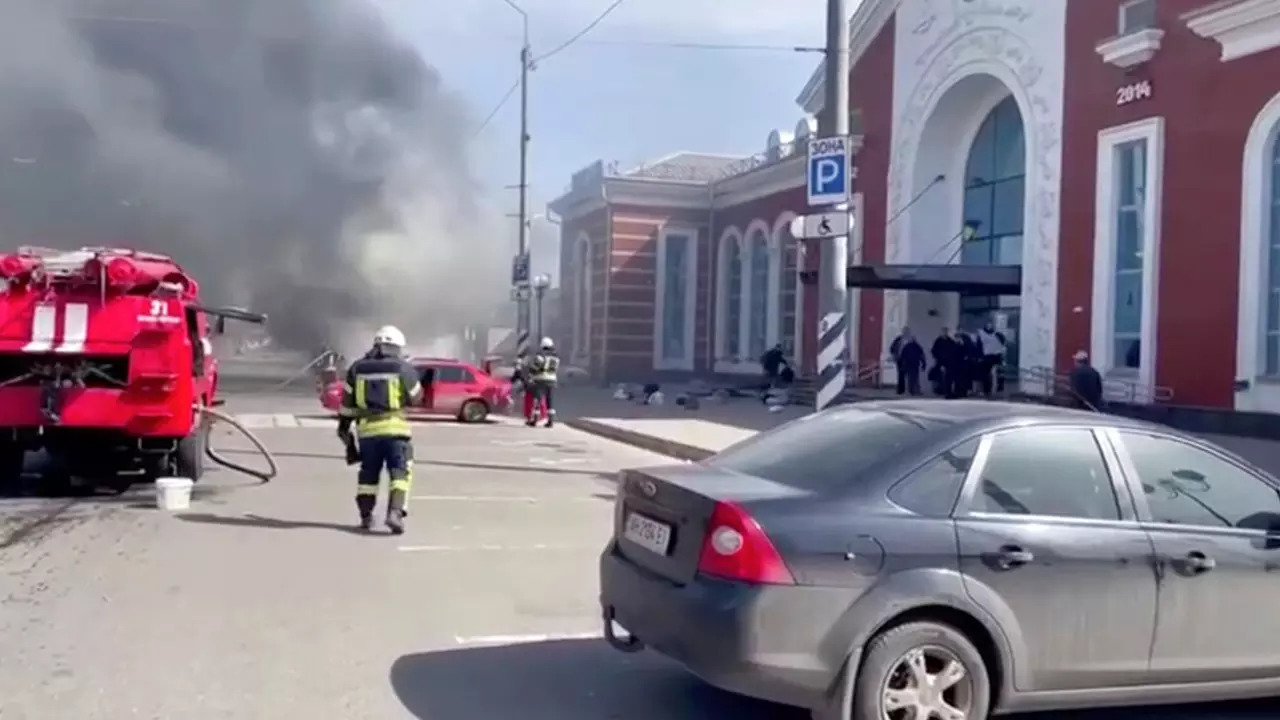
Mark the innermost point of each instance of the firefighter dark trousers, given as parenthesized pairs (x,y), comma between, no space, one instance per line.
(396,455)
(542,397)
(533,404)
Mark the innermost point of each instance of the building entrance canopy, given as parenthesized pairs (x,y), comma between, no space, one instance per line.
(964,279)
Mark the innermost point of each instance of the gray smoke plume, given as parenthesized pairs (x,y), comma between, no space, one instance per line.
(295,155)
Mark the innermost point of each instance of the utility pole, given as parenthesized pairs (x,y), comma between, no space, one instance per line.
(522,318)
(521,278)
(833,293)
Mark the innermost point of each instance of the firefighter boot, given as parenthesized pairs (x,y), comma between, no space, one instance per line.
(396,512)
(365,504)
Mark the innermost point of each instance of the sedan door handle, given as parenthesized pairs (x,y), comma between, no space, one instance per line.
(1196,563)
(1012,556)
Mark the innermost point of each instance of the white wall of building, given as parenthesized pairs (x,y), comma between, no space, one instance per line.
(953,62)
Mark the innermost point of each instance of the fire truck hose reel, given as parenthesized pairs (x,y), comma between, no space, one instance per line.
(265,476)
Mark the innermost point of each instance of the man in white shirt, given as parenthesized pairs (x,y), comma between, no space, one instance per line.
(993,349)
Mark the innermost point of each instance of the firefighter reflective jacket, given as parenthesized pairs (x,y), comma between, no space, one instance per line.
(377,394)
(543,367)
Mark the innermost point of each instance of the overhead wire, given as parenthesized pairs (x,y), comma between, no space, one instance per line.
(581,33)
(703,46)
(558,49)
(497,108)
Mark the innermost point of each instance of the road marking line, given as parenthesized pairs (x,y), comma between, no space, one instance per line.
(525,639)
(311,420)
(478,498)
(551,462)
(492,548)
(501,498)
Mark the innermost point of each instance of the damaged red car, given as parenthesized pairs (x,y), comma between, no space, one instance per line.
(450,388)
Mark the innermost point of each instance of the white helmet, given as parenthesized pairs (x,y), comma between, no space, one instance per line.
(389,335)
(548,344)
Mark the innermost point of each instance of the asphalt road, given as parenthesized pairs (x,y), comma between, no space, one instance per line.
(262,602)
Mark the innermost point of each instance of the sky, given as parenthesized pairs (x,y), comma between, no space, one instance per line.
(612,95)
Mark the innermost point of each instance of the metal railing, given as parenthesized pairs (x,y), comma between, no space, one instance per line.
(1048,382)
(1113,389)
(1030,381)
(870,374)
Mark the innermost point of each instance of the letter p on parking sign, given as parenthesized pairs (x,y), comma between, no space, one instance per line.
(828,170)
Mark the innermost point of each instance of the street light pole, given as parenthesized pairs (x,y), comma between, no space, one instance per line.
(833,293)
(538,294)
(541,282)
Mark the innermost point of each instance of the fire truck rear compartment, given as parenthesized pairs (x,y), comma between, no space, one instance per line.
(97,456)
(89,452)
(90,371)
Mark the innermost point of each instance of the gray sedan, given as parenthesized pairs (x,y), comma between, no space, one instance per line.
(947,560)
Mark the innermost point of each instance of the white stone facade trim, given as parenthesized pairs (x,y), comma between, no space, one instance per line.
(1262,395)
(1021,43)
(1104,250)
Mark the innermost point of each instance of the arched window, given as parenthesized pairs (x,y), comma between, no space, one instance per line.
(994,189)
(677,249)
(733,297)
(1272,238)
(758,322)
(582,299)
(994,203)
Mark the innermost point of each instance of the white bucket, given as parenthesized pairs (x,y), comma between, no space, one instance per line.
(173,493)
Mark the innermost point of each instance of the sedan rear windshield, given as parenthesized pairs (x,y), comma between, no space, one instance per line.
(824,451)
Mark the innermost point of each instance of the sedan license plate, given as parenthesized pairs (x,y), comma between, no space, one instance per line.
(648,533)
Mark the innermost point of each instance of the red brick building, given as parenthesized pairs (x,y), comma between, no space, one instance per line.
(1117,160)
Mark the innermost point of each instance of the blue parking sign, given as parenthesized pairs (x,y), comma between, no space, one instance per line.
(828,170)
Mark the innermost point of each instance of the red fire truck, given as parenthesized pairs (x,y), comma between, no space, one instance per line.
(105,364)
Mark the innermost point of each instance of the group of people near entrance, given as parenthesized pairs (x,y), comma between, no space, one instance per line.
(963,362)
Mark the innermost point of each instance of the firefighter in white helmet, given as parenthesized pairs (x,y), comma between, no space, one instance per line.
(542,375)
(379,389)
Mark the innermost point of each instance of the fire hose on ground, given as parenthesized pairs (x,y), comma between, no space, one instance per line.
(264,476)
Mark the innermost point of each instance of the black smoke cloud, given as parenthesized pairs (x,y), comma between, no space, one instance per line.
(295,155)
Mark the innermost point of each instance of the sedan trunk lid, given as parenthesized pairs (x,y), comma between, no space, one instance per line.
(662,513)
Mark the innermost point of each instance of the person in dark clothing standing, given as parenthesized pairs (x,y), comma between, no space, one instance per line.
(1086,383)
(968,364)
(895,354)
(946,355)
(911,362)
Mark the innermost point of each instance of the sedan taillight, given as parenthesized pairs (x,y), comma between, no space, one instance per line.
(737,548)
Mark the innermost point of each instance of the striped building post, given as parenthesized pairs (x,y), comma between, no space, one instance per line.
(833,351)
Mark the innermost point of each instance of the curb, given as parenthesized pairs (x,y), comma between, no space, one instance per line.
(662,446)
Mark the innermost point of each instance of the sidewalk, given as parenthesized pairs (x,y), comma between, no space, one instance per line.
(670,429)
(696,434)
